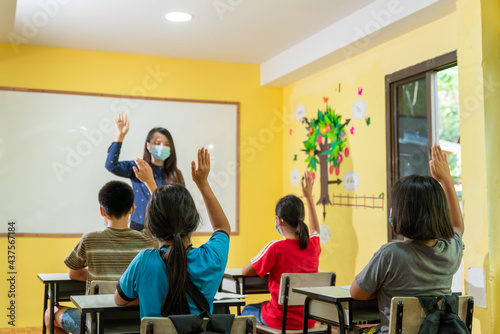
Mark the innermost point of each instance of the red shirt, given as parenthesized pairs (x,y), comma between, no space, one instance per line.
(285,256)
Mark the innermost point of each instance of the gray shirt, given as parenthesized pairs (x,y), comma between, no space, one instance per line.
(410,268)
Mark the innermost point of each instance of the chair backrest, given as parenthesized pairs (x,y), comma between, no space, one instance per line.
(412,314)
(102,287)
(243,324)
(302,280)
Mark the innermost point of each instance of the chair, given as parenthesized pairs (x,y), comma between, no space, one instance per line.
(119,322)
(407,314)
(289,298)
(243,324)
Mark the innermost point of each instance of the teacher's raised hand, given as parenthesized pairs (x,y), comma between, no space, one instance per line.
(122,126)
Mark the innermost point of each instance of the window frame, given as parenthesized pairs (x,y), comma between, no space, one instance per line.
(425,69)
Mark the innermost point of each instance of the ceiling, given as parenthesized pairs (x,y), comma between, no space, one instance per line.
(240,31)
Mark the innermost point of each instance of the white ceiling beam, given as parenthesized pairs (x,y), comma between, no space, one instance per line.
(372,25)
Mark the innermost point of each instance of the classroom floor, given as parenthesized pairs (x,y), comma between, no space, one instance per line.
(25,330)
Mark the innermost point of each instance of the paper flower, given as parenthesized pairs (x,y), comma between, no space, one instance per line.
(359,109)
(351,181)
(300,112)
(324,233)
(295,177)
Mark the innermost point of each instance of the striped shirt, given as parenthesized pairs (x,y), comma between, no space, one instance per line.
(107,253)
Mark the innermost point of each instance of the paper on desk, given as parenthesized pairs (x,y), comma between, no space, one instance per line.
(226,295)
(345,287)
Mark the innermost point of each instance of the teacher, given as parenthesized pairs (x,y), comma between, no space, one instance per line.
(159,159)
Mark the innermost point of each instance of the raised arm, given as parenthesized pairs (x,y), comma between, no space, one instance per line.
(122,127)
(307,186)
(441,172)
(216,215)
(144,173)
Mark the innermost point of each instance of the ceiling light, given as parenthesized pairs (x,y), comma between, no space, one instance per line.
(178,16)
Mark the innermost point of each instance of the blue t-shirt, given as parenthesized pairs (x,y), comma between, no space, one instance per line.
(146,276)
(141,191)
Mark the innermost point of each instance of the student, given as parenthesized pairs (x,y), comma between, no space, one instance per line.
(102,255)
(159,153)
(158,278)
(428,215)
(297,253)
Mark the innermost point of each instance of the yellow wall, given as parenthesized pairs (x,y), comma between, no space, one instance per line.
(356,233)
(88,71)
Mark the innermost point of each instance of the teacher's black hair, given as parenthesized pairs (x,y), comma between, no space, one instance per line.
(170,169)
(172,215)
(291,210)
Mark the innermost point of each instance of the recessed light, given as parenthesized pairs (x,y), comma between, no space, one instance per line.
(178,16)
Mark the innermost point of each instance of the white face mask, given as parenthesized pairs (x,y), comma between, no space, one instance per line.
(159,152)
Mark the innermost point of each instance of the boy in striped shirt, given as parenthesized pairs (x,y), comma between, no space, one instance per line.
(103,255)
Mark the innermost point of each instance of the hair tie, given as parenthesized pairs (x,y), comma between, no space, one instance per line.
(177,235)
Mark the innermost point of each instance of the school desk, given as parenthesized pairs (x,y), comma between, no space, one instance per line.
(234,281)
(334,305)
(58,288)
(100,305)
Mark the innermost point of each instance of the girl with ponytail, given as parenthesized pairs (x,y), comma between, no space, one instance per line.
(297,253)
(161,280)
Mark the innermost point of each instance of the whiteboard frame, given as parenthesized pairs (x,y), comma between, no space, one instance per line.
(119,96)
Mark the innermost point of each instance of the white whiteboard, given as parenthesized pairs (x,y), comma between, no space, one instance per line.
(53,148)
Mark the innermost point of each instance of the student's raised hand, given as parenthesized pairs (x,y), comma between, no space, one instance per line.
(438,165)
(307,184)
(144,173)
(200,173)
(122,126)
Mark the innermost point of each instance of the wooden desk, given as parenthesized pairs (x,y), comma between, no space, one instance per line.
(129,320)
(334,305)
(58,288)
(234,281)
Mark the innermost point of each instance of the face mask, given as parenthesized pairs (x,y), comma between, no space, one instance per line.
(390,217)
(277,227)
(159,152)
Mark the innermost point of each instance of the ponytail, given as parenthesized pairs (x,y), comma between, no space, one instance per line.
(172,215)
(290,209)
(175,301)
(303,232)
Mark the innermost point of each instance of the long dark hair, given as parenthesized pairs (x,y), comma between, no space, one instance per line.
(170,165)
(419,209)
(171,215)
(291,210)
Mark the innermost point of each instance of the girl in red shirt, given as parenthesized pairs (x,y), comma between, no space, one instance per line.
(297,253)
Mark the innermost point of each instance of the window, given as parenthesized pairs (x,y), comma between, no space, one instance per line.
(422,109)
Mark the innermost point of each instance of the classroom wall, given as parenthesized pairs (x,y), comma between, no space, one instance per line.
(354,234)
(112,73)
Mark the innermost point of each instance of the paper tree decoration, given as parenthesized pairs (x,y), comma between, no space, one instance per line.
(325,146)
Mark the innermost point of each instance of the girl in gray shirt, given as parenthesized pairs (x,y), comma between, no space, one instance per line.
(425,210)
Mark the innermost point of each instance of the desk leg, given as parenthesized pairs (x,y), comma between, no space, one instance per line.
(238,291)
(52,297)
(340,311)
(305,328)
(46,296)
(83,322)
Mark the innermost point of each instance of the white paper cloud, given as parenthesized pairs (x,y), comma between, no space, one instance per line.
(358,109)
(351,181)
(300,112)
(295,177)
